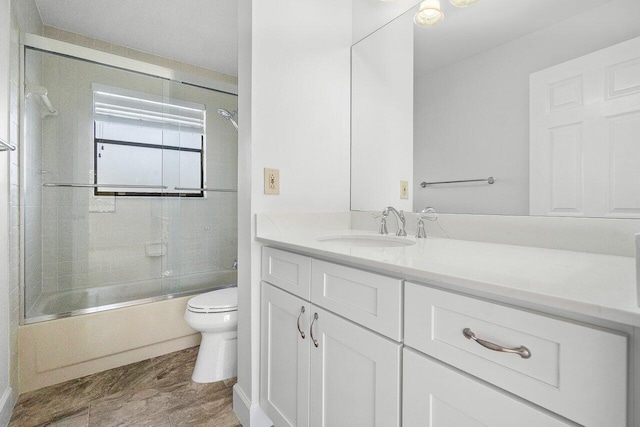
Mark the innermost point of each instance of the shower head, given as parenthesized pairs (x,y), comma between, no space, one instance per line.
(226,114)
(232,117)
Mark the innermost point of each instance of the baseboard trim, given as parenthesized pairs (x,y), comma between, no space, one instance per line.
(6,407)
(249,414)
(241,405)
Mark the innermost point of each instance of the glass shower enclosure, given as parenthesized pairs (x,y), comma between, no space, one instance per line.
(128,186)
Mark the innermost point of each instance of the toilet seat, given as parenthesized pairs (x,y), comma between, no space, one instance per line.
(218,301)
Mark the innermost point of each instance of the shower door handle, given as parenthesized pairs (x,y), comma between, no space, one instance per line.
(299,329)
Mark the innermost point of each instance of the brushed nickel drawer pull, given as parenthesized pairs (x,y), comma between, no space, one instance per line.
(315,341)
(300,330)
(522,351)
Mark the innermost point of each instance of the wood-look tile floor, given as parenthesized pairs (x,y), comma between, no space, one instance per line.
(157,393)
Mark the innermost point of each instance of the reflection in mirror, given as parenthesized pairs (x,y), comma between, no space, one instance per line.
(546,103)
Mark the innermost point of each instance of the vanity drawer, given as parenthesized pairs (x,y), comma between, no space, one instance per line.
(577,371)
(286,270)
(372,300)
(447,397)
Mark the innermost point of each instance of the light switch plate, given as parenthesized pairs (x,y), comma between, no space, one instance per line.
(271,181)
(404,189)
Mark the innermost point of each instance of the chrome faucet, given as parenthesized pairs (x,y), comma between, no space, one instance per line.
(399,219)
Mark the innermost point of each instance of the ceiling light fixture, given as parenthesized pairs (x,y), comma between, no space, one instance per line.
(429,13)
(462,3)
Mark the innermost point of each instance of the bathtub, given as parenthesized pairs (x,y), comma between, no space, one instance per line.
(106,336)
(60,304)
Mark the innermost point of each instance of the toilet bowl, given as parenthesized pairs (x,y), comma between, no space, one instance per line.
(215,315)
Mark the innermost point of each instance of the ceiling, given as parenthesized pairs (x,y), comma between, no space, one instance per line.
(205,32)
(466,32)
(198,32)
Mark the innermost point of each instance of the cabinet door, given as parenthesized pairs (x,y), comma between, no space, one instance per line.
(284,384)
(355,375)
(437,396)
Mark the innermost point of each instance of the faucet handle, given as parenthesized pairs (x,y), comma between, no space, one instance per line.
(428,213)
(421,233)
(383,222)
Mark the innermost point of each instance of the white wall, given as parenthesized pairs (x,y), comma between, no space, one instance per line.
(294,76)
(382,117)
(243,397)
(6,394)
(472,118)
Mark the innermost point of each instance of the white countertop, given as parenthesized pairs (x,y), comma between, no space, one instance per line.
(593,285)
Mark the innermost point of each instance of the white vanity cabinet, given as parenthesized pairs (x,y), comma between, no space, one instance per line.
(334,338)
(318,368)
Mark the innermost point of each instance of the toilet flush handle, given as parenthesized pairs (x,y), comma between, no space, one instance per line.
(300,330)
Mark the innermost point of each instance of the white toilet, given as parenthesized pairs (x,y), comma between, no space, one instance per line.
(215,315)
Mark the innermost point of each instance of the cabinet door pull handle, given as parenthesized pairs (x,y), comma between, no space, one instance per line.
(315,341)
(522,351)
(300,330)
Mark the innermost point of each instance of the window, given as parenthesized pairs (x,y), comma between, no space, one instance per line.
(146,145)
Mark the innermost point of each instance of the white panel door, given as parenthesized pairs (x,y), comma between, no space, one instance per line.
(284,382)
(585,135)
(437,396)
(355,375)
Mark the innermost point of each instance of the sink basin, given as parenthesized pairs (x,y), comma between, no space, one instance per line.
(368,240)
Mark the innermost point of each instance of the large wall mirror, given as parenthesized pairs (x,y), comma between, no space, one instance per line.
(541,95)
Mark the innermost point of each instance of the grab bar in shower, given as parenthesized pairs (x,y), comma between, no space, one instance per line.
(50,184)
(489,180)
(5,146)
(218,190)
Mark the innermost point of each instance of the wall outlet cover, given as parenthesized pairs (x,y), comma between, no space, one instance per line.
(271,181)
(404,189)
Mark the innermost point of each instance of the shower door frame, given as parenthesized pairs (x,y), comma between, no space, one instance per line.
(73,51)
